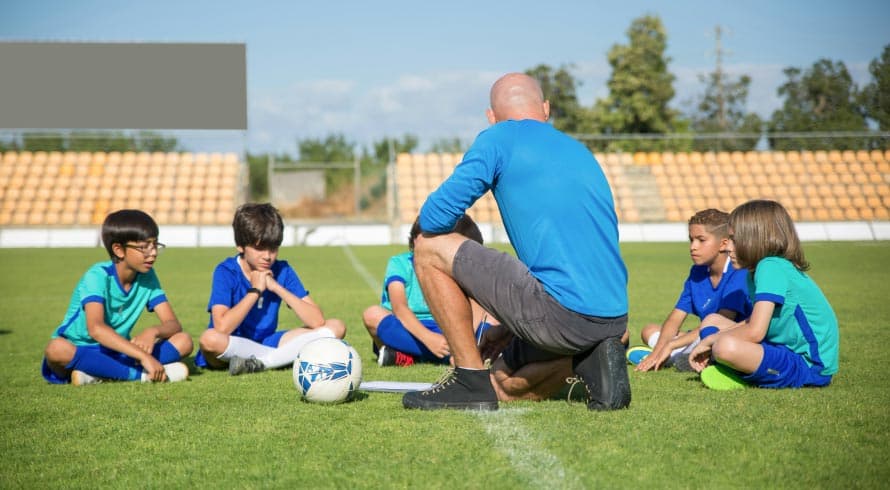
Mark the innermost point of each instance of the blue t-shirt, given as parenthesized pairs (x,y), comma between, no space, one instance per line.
(556,206)
(100,284)
(803,320)
(401,269)
(230,286)
(701,299)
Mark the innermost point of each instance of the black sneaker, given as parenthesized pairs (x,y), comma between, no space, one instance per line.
(241,365)
(603,371)
(463,389)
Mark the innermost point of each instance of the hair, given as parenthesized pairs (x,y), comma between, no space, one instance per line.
(465,226)
(127,225)
(258,225)
(716,222)
(761,229)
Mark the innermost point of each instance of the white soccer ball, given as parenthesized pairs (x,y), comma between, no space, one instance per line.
(327,370)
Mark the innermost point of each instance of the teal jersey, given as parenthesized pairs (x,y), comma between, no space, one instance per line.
(803,319)
(401,269)
(100,284)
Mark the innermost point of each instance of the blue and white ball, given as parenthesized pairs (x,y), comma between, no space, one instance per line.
(327,370)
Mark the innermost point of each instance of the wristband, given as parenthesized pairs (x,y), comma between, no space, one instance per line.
(255,290)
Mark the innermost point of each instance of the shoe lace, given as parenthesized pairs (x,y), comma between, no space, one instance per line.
(573,381)
(447,378)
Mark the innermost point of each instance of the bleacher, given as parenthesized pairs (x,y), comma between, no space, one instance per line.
(822,186)
(55,189)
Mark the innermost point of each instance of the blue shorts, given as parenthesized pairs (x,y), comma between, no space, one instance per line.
(393,334)
(783,368)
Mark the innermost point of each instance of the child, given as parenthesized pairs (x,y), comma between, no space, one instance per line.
(402,327)
(93,342)
(713,287)
(245,296)
(791,337)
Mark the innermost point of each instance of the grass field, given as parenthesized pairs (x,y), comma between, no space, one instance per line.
(218,431)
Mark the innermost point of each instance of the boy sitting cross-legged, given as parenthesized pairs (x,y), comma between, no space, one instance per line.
(93,343)
(245,297)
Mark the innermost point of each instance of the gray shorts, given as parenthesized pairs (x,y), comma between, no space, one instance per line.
(503,285)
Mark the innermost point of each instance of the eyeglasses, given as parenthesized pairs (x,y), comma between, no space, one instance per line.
(146,248)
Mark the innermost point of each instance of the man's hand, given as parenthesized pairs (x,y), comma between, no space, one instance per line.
(494,341)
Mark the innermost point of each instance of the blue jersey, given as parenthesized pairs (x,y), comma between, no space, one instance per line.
(556,206)
(701,298)
(100,284)
(230,286)
(803,319)
(400,268)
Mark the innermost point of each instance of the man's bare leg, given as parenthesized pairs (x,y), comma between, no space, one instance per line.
(433,260)
(536,381)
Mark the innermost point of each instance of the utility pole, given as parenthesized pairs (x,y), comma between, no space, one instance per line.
(719,75)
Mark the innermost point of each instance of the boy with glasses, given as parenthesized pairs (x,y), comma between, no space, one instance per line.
(94,341)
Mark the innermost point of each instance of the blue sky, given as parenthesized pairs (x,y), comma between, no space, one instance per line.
(374,69)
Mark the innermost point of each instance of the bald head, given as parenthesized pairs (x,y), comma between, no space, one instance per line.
(517,96)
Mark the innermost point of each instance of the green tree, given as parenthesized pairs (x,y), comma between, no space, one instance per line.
(823,98)
(448,145)
(333,148)
(560,88)
(383,147)
(876,95)
(640,87)
(721,109)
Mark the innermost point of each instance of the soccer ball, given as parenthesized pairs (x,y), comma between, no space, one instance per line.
(327,370)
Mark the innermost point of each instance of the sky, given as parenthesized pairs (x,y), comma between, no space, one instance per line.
(369,70)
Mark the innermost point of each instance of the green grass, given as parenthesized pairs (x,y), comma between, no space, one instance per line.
(252,431)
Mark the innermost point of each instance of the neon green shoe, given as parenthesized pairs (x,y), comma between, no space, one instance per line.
(635,355)
(722,378)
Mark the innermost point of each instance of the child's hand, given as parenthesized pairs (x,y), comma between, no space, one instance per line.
(272,284)
(654,360)
(494,341)
(700,356)
(437,344)
(145,341)
(260,279)
(153,369)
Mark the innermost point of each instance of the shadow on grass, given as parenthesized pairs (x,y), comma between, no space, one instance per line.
(5,332)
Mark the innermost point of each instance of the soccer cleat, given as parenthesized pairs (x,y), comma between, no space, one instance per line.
(462,389)
(80,378)
(681,363)
(635,355)
(603,372)
(391,357)
(722,378)
(386,356)
(245,365)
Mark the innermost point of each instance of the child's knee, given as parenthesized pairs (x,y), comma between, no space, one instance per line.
(726,348)
(371,318)
(183,343)
(337,327)
(648,330)
(59,351)
(213,342)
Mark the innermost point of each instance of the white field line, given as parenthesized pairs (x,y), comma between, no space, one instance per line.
(540,468)
(537,466)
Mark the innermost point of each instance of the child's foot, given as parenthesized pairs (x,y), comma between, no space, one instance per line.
(635,355)
(721,378)
(241,365)
(80,378)
(175,371)
(391,357)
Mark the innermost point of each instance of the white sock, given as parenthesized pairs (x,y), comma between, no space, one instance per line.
(679,351)
(241,347)
(653,339)
(286,354)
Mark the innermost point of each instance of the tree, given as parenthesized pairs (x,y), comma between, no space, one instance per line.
(721,109)
(559,88)
(640,87)
(334,148)
(448,145)
(383,147)
(876,95)
(823,98)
